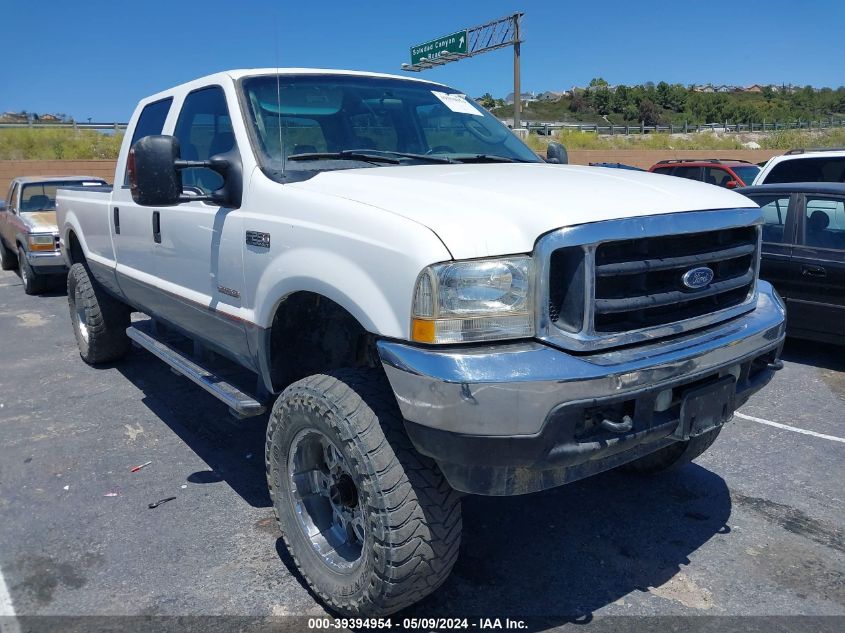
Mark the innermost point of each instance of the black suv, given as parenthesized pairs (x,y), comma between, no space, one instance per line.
(804,254)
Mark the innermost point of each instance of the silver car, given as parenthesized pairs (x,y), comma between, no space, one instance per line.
(29,238)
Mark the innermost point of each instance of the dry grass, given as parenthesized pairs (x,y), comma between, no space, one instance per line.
(573,139)
(57,143)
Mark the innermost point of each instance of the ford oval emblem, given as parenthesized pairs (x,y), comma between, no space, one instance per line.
(696,278)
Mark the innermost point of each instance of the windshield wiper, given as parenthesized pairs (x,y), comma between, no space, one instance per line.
(347,154)
(486,158)
(431,158)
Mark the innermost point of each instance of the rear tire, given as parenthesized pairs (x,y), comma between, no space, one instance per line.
(403,531)
(8,261)
(674,455)
(99,320)
(33,283)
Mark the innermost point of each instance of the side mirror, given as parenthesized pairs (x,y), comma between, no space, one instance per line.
(732,184)
(556,153)
(155,177)
(2,205)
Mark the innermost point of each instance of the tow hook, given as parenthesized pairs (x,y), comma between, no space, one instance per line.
(624,426)
(775,365)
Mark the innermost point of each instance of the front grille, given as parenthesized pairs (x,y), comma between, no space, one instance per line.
(620,282)
(639,282)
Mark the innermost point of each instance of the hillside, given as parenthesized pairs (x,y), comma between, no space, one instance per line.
(664,103)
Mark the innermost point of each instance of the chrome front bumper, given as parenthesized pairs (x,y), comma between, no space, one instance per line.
(46,262)
(511,389)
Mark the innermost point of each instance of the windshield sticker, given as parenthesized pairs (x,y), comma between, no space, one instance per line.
(456,103)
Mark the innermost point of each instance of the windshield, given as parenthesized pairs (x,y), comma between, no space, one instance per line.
(380,117)
(41,196)
(747,174)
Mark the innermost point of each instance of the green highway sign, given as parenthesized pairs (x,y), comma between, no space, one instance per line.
(454,43)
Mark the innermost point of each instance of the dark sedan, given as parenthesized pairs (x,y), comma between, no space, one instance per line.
(804,254)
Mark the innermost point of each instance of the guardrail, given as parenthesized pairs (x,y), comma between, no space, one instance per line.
(72,125)
(546,128)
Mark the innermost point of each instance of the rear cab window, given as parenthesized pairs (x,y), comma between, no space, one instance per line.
(41,196)
(151,121)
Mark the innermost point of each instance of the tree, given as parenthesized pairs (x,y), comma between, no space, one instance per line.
(649,113)
(600,100)
(487,101)
(597,82)
(578,103)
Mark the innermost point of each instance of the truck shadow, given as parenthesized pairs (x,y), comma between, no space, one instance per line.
(560,555)
(551,557)
(822,355)
(233,449)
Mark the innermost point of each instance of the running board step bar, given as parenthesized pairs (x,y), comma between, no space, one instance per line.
(240,404)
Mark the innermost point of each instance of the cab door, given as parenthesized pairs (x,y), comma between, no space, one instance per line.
(6,215)
(199,254)
(817,304)
(132,225)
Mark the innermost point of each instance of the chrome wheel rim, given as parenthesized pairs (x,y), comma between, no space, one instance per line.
(325,500)
(81,319)
(24,276)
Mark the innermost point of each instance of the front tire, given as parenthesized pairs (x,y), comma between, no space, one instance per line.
(99,320)
(674,455)
(33,283)
(372,525)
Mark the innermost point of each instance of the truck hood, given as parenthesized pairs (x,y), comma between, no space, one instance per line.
(40,221)
(481,210)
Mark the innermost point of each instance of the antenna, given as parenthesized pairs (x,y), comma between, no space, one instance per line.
(279,96)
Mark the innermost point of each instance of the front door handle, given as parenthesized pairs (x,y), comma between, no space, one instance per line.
(813,271)
(116,221)
(157,227)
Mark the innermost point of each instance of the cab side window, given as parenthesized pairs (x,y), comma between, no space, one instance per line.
(151,121)
(693,173)
(824,225)
(204,129)
(774,218)
(716,176)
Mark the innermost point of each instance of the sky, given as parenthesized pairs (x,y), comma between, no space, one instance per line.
(97,58)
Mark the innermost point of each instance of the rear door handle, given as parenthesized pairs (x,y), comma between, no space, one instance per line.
(157,227)
(813,271)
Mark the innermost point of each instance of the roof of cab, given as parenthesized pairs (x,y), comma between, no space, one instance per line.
(240,73)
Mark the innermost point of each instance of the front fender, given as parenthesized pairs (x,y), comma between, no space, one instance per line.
(339,278)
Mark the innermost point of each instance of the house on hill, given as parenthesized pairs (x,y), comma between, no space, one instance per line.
(14,117)
(550,95)
(525,97)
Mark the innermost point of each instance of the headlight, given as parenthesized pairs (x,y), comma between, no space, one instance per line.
(41,242)
(482,300)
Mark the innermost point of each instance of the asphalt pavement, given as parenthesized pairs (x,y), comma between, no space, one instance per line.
(753,528)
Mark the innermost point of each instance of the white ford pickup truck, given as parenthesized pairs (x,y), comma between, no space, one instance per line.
(428,307)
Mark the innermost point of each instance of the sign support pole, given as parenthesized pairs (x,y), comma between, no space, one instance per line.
(517,93)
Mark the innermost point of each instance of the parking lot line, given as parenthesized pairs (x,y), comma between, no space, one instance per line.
(8,620)
(786,427)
